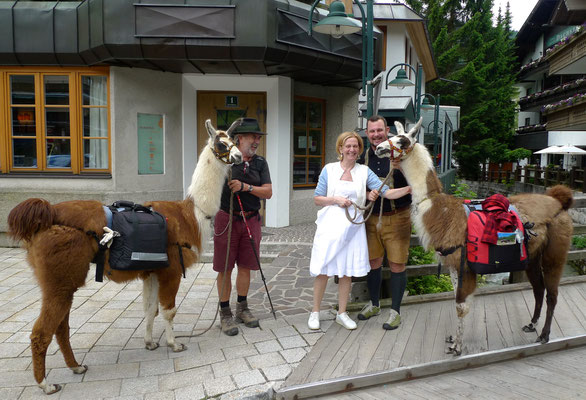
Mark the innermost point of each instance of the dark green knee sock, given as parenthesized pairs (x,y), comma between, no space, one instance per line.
(373,281)
(398,285)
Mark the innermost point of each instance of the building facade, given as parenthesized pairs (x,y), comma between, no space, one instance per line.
(552,80)
(106,99)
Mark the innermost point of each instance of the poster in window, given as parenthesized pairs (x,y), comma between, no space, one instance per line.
(150,144)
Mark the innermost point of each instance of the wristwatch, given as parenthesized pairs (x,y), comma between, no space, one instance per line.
(250,188)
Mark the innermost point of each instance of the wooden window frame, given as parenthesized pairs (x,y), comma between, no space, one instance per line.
(75,106)
(306,128)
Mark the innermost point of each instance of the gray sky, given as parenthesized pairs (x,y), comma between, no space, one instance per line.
(520,10)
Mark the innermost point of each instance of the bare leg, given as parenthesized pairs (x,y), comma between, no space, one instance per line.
(242,281)
(224,294)
(319,288)
(150,288)
(343,293)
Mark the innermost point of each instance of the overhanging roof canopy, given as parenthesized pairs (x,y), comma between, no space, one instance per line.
(265,37)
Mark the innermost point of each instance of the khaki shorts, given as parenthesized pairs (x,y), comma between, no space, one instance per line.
(394,237)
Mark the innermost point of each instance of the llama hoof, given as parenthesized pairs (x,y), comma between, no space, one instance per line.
(151,346)
(529,328)
(449,339)
(80,369)
(455,350)
(178,347)
(542,340)
(50,389)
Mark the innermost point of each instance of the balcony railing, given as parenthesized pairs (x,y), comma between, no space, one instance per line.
(553,94)
(568,51)
(575,178)
(531,128)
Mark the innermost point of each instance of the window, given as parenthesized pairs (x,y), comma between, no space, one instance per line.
(56,120)
(527,121)
(308,140)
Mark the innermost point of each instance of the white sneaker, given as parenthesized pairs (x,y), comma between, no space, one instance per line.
(344,320)
(313,322)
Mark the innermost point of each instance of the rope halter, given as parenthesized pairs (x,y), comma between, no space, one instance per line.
(225,155)
(400,152)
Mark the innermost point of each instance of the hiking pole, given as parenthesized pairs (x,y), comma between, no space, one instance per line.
(255,254)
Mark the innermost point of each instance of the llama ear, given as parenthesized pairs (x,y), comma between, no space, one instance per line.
(210,128)
(234,125)
(400,129)
(413,131)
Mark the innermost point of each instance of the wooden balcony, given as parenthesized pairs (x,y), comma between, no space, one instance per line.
(570,117)
(570,58)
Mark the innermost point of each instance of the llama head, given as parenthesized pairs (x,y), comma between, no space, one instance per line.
(222,144)
(399,145)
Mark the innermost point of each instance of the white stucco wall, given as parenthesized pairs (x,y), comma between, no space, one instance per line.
(279,131)
(136,91)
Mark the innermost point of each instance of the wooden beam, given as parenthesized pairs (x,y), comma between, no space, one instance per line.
(348,383)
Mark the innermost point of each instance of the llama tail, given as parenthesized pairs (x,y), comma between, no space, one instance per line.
(563,194)
(29,218)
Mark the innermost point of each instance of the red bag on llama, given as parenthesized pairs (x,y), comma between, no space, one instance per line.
(496,237)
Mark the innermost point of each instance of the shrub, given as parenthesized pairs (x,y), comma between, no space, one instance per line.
(579,242)
(463,190)
(429,284)
(418,256)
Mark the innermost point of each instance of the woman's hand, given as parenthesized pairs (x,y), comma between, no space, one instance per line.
(372,195)
(342,201)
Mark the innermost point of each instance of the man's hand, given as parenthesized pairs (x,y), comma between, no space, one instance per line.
(372,195)
(236,186)
(396,164)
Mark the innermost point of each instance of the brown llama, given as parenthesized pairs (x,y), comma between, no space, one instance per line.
(60,250)
(440,222)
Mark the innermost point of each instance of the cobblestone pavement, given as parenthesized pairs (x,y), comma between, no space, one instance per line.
(107,331)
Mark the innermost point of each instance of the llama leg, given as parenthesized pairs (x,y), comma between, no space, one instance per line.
(536,279)
(53,311)
(463,290)
(150,288)
(167,293)
(62,336)
(553,269)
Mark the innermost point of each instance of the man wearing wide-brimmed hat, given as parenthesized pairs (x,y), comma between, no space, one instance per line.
(250,181)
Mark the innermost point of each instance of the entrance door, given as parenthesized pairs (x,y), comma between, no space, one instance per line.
(225,107)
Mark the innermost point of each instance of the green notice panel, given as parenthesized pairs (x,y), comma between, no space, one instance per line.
(150,144)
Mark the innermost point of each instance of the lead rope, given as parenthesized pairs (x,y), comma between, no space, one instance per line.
(229,229)
(368,209)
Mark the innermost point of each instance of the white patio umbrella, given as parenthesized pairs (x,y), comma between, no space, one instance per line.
(549,150)
(569,149)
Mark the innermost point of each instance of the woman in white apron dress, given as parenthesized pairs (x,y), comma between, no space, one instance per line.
(339,246)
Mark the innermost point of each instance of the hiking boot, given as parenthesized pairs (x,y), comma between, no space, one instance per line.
(393,322)
(228,325)
(368,311)
(243,314)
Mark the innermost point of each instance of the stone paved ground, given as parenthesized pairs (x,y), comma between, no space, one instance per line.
(107,330)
